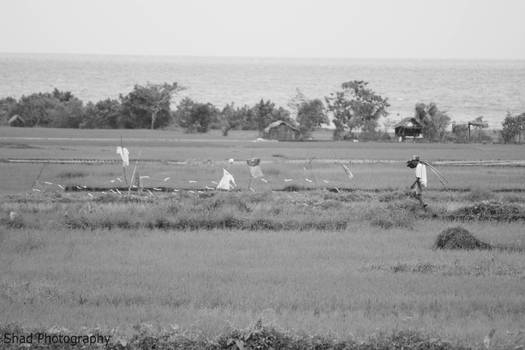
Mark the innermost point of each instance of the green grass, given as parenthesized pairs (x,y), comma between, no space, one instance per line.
(342,265)
(175,145)
(334,282)
(314,282)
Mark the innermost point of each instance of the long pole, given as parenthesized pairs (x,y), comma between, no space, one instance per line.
(38,176)
(133,173)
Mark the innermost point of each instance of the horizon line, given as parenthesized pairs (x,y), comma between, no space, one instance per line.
(261,57)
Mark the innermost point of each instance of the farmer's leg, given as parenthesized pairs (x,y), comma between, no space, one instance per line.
(419,195)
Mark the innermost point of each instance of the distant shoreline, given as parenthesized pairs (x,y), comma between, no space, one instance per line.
(291,58)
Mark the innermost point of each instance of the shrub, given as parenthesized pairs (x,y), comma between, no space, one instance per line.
(390,218)
(392,196)
(194,116)
(59,109)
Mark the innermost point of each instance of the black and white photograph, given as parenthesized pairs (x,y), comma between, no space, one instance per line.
(262,175)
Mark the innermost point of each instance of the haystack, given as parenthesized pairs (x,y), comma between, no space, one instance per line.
(459,238)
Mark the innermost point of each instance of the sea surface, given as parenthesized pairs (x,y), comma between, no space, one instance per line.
(466,89)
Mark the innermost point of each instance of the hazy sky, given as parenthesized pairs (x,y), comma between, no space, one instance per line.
(295,28)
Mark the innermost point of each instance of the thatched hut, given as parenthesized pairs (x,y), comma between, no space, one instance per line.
(282,131)
(16,120)
(408,128)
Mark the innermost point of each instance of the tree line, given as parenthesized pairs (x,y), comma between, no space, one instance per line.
(149,106)
(354,109)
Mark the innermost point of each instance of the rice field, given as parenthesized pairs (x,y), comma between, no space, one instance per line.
(339,258)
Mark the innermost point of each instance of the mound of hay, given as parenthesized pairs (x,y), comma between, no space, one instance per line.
(494,211)
(459,238)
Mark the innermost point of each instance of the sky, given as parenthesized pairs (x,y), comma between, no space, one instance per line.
(436,29)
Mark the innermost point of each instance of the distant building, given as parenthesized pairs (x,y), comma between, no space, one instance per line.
(16,120)
(408,128)
(282,131)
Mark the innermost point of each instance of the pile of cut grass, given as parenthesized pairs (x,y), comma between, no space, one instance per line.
(459,238)
(488,211)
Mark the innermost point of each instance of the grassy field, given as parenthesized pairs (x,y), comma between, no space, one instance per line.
(346,264)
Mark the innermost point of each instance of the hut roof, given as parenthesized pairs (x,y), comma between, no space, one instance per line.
(15,118)
(278,123)
(409,122)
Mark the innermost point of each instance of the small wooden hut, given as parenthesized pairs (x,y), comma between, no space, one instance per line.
(408,128)
(16,120)
(282,131)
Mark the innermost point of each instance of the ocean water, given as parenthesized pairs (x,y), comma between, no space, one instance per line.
(465,89)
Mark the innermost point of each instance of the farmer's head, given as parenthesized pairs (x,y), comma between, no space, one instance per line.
(412,163)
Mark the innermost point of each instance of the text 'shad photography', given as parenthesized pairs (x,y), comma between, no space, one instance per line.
(249,174)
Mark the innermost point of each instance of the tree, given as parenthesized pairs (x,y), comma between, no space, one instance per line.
(310,115)
(105,114)
(34,108)
(194,116)
(513,126)
(389,124)
(59,109)
(434,122)
(7,106)
(232,117)
(355,106)
(295,102)
(67,114)
(149,105)
(460,132)
(265,112)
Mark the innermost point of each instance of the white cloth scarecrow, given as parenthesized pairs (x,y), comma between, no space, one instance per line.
(227,181)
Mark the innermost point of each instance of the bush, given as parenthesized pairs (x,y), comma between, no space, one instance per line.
(103,114)
(60,109)
(194,116)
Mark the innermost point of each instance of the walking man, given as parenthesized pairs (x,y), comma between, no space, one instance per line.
(421,179)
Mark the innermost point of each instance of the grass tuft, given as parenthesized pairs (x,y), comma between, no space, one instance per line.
(478,194)
(74,174)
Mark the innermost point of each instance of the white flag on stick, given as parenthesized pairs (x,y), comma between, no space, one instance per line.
(124,154)
(227,181)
